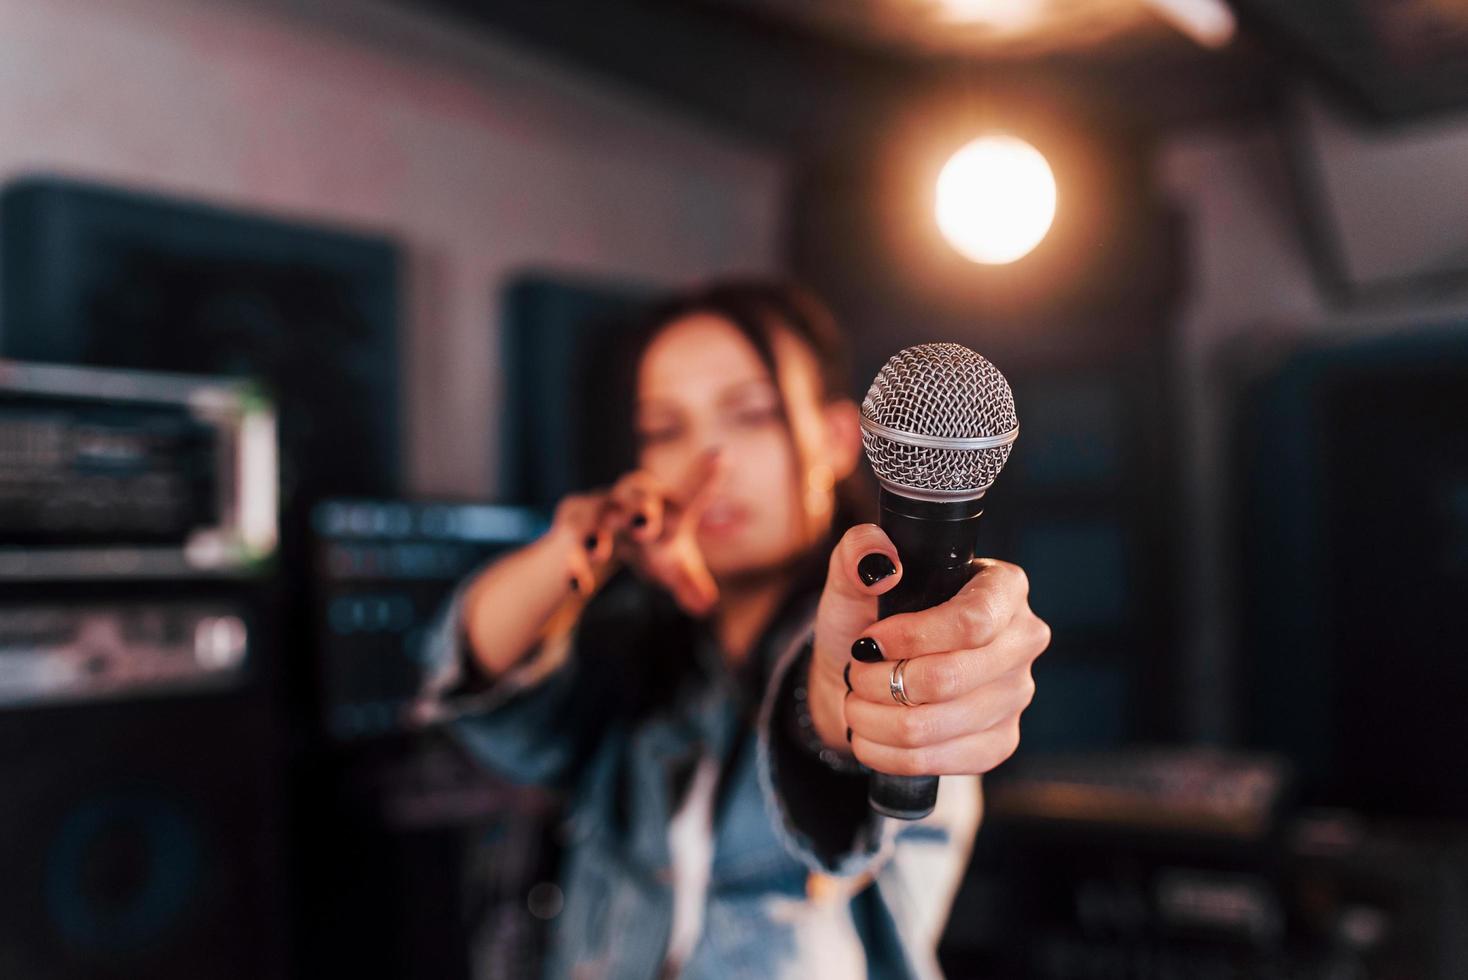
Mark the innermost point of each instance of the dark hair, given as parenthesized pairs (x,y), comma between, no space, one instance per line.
(757,308)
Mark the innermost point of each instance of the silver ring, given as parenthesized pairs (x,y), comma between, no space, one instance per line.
(896,686)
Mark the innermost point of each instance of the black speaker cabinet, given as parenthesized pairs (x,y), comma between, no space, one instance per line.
(141,839)
(103,277)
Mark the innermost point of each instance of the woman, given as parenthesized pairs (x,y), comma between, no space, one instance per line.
(694,656)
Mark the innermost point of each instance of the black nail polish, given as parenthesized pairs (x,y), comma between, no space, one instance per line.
(875,567)
(639,520)
(866,650)
(590,542)
(846,676)
(848,734)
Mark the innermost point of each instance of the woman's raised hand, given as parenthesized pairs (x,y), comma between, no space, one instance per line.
(644,523)
(969,670)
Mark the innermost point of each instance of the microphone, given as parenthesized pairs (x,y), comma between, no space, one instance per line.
(937,426)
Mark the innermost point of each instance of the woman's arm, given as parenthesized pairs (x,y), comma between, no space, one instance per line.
(498,661)
(534,595)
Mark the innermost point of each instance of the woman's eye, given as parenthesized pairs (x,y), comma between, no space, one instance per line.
(756,415)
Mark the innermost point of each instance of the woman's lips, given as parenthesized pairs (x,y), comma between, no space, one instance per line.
(722,517)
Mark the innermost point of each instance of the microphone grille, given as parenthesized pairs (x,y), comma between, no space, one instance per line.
(939,422)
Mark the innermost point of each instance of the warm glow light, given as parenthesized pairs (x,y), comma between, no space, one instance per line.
(1003,16)
(1209,22)
(996,199)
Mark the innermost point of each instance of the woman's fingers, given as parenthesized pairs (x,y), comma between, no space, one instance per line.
(899,726)
(582,573)
(692,584)
(973,618)
(968,754)
(638,503)
(640,521)
(698,490)
(678,567)
(598,541)
(968,704)
(968,662)
(863,565)
(649,512)
(579,520)
(951,674)
(579,513)
(599,545)
(645,525)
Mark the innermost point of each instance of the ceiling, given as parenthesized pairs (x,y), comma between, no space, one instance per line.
(998,29)
(803,73)
(1395,58)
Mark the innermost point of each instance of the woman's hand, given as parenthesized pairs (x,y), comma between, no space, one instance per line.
(969,669)
(527,597)
(645,524)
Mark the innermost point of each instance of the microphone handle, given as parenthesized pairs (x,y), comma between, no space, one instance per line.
(936,542)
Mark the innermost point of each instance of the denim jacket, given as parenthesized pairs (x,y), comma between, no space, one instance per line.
(805,880)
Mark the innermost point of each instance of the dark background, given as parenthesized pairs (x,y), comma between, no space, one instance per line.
(1241,490)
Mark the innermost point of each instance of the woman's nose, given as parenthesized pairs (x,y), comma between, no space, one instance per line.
(706,439)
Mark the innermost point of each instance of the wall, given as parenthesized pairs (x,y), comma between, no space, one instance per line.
(479,158)
(1251,289)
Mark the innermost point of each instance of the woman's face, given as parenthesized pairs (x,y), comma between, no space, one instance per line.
(701,385)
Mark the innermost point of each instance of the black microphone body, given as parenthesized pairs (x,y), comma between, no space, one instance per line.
(936,541)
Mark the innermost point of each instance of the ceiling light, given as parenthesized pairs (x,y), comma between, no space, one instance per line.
(995,199)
